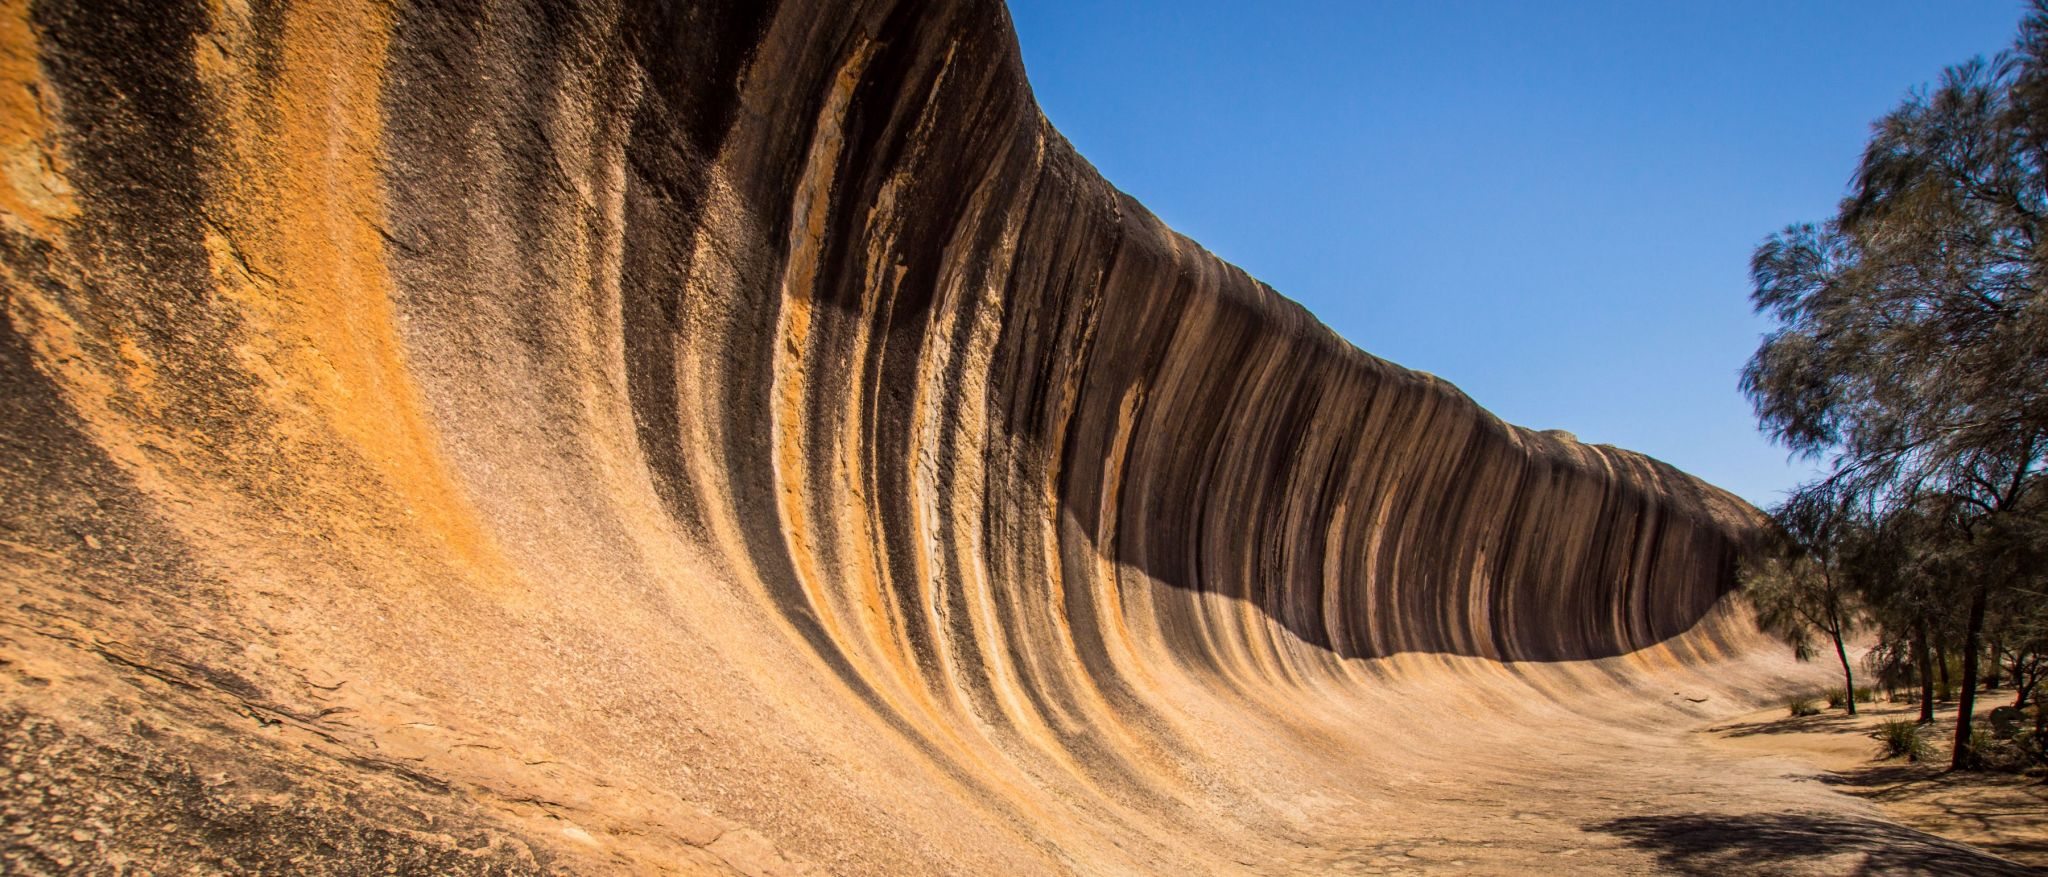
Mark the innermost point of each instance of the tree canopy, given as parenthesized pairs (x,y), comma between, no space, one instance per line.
(1910,354)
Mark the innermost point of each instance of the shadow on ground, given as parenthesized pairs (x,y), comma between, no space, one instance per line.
(1958,795)
(1890,780)
(1802,725)
(1799,843)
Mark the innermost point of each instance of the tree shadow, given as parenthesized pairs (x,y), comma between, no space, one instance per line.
(1958,795)
(1880,779)
(1800,725)
(1779,843)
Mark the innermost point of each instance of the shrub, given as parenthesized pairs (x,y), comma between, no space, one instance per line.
(1801,706)
(1902,737)
(1837,698)
(2021,754)
(2031,750)
(2005,721)
(1984,751)
(1866,694)
(1981,740)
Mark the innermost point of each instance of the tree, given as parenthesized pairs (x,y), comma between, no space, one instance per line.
(2021,613)
(1799,589)
(1892,569)
(1911,352)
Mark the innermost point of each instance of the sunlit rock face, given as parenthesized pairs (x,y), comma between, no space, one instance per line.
(732,437)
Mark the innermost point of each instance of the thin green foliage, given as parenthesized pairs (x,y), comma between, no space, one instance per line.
(1903,737)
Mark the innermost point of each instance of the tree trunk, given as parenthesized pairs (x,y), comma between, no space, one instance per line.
(1926,660)
(2024,677)
(1941,667)
(1848,678)
(1991,678)
(1966,699)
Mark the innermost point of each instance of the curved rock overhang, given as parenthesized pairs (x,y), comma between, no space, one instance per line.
(752,408)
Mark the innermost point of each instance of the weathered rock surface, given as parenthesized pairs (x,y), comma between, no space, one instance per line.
(745,437)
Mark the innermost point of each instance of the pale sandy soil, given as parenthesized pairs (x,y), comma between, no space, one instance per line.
(2001,814)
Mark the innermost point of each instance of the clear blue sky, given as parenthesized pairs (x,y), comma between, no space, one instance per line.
(1550,204)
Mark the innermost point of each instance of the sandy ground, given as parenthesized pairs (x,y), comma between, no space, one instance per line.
(2001,814)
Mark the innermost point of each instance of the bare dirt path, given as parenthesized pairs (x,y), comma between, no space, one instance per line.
(2000,814)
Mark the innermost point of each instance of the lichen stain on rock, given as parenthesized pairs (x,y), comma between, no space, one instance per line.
(297,243)
(34,194)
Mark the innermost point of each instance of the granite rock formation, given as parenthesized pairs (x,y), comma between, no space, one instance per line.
(737,437)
